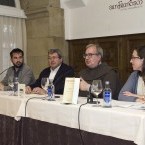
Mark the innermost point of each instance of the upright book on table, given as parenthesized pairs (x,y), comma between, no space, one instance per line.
(71,90)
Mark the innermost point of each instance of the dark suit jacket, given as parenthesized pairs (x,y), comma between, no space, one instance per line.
(59,80)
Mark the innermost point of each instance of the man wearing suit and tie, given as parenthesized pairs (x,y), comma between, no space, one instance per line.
(57,71)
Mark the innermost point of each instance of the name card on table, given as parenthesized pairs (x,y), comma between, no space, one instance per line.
(71,90)
(21,90)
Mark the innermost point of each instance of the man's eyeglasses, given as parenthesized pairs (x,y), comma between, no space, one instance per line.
(135,57)
(54,57)
(89,55)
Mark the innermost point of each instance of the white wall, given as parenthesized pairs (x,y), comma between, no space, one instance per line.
(93,18)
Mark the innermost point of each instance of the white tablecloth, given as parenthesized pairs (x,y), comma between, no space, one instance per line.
(124,120)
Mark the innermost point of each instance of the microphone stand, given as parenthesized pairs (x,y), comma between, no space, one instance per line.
(90,97)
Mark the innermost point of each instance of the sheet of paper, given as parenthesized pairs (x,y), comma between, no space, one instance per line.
(134,105)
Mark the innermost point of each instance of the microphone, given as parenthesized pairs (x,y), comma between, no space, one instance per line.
(4,71)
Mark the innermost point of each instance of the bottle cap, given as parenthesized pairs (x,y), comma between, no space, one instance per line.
(15,79)
(107,82)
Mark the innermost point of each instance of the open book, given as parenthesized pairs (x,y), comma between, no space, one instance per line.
(71,90)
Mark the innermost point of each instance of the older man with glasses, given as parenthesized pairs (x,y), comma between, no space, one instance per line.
(57,71)
(95,70)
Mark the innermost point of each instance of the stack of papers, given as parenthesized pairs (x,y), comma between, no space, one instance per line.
(139,106)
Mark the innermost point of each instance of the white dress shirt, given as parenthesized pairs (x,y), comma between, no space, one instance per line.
(53,73)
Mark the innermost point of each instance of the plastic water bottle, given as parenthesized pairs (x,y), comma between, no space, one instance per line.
(15,88)
(107,95)
(51,91)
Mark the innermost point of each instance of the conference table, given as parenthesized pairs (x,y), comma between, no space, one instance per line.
(33,120)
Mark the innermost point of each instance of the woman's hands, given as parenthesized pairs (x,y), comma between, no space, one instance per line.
(140,98)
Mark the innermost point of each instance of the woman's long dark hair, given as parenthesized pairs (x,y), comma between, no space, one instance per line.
(141,53)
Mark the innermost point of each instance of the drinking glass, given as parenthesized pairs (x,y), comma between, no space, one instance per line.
(11,84)
(96,89)
(45,83)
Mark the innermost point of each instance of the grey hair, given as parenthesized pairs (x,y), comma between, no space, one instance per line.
(55,50)
(98,48)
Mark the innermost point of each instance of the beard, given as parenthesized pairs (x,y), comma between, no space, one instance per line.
(18,64)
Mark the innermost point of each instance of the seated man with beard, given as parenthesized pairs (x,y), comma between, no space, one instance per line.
(19,70)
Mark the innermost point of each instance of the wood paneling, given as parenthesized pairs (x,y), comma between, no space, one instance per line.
(117,52)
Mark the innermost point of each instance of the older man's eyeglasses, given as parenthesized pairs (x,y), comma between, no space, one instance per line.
(135,57)
(89,55)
